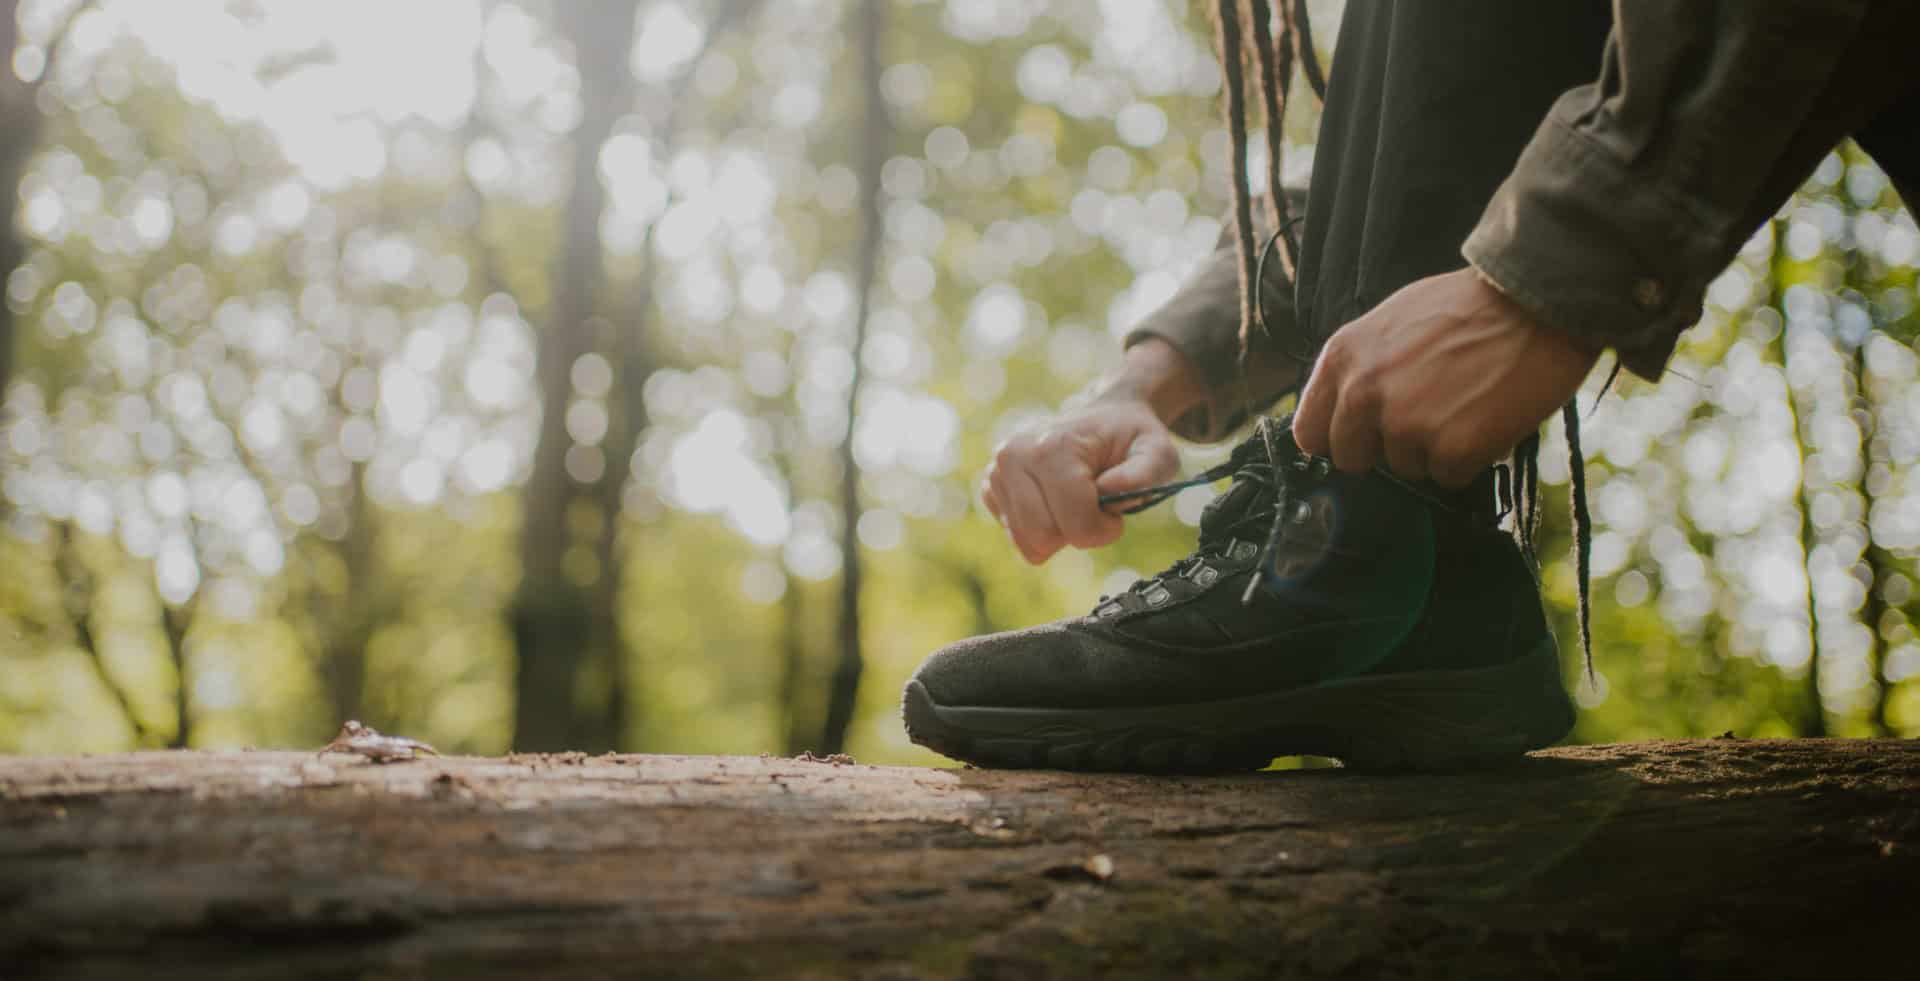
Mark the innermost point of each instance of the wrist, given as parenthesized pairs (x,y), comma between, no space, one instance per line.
(1159,375)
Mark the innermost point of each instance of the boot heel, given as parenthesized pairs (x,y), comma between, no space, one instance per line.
(1454,720)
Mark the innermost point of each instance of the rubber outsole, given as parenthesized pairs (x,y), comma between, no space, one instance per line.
(1426,721)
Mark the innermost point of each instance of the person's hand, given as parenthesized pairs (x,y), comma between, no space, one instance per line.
(1440,381)
(1044,484)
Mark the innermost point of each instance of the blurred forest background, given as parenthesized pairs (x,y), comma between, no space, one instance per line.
(626,369)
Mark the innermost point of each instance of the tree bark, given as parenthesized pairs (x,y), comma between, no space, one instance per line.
(1711,858)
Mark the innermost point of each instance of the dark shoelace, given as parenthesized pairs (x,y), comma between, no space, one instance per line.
(1265,468)
(1518,490)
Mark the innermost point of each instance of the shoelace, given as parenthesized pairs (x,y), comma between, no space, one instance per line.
(1265,468)
(1517,489)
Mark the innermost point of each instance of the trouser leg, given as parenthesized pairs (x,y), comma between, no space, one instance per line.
(1428,107)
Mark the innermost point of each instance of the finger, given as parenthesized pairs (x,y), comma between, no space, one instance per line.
(1067,485)
(1313,418)
(992,494)
(1406,455)
(1353,434)
(1151,459)
(1028,520)
(991,500)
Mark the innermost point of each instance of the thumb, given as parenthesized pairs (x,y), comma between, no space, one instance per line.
(1151,459)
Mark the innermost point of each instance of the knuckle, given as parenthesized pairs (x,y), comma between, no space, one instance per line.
(1362,390)
(1051,443)
(1412,429)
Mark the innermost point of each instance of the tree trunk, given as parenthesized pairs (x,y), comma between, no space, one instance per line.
(175,623)
(20,127)
(551,612)
(20,121)
(1712,858)
(844,688)
(1874,560)
(1813,721)
(77,597)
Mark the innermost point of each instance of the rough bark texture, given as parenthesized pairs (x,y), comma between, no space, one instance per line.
(1724,858)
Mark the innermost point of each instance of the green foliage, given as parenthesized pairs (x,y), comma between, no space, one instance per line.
(270,424)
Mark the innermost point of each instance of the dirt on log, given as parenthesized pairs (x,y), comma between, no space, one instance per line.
(1717,858)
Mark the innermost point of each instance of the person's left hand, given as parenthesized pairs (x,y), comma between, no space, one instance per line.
(1440,381)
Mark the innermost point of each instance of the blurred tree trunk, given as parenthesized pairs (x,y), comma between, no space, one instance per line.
(19,134)
(175,622)
(19,137)
(1865,412)
(1877,561)
(625,345)
(344,657)
(552,612)
(799,728)
(877,132)
(1813,719)
(77,596)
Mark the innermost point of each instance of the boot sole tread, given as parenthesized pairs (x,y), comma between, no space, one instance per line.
(1432,721)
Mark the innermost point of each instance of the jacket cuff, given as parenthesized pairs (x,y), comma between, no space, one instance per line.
(1595,250)
(1202,320)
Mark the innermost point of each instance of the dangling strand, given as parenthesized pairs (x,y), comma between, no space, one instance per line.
(1302,31)
(1227,21)
(1275,64)
(1582,530)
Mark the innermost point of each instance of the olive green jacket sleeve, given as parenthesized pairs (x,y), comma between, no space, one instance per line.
(1639,188)
(1202,320)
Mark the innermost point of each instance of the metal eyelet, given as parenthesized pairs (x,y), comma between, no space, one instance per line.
(1158,596)
(1206,575)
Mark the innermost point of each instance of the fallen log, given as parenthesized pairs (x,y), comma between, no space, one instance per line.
(1712,858)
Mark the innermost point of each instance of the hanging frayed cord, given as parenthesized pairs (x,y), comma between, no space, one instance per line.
(1275,55)
(1302,31)
(1228,24)
(1582,531)
(1275,64)
(1526,495)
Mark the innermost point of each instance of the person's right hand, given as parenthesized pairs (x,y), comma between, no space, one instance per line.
(1044,484)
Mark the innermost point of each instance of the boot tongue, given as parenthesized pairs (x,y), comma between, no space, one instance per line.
(1246,498)
(1241,501)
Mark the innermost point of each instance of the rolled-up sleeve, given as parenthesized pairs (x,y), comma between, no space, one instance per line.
(1638,189)
(1202,320)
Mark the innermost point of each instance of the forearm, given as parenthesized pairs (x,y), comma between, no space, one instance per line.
(1157,373)
(1201,321)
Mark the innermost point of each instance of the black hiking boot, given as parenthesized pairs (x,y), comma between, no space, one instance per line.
(1388,624)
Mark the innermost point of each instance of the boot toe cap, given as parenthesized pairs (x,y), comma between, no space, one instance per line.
(1038,666)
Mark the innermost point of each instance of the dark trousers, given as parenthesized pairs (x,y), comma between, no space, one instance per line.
(1428,106)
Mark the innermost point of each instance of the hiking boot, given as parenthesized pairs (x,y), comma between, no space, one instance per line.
(1392,625)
